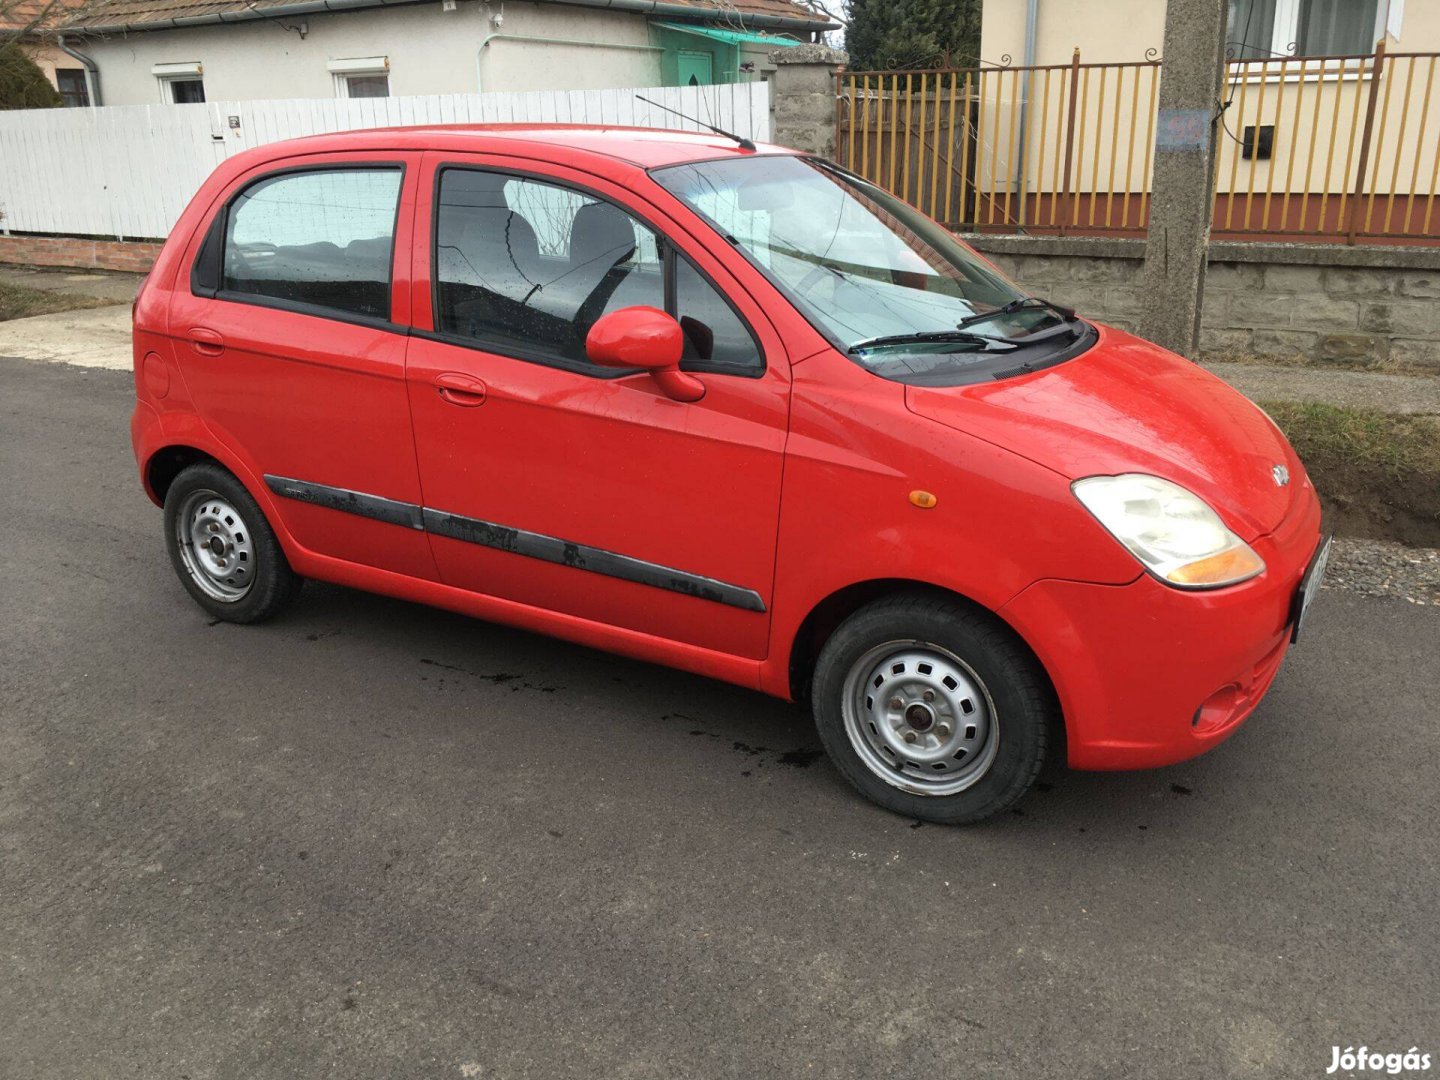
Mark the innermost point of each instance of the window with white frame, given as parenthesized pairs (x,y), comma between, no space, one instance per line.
(180,84)
(1260,29)
(361,76)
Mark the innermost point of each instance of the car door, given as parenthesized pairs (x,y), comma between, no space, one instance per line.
(291,336)
(553,482)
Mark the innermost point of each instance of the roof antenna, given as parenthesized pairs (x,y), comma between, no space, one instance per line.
(743,143)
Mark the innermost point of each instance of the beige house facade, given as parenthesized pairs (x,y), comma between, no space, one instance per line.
(65,73)
(1318,134)
(34,20)
(1120,31)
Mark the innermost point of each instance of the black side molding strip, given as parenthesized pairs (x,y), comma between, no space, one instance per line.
(351,502)
(518,542)
(583,557)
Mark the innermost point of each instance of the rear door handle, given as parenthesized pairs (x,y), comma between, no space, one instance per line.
(206,342)
(463,390)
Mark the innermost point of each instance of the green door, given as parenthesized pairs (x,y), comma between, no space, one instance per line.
(695,69)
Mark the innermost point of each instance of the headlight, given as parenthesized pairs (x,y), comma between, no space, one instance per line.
(1174,534)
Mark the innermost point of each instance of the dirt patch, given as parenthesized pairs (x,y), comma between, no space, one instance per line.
(1378,474)
(20,302)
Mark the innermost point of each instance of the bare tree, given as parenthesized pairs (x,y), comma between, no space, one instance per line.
(836,12)
(32,20)
(729,14)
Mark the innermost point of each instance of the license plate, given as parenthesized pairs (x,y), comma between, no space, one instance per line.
(1309,586)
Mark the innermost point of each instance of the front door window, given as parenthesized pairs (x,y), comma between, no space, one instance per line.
(526,267)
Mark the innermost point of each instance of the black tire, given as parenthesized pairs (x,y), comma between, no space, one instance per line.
(1015,700)
(262,580)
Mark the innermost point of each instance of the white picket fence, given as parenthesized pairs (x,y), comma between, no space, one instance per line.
(127,171)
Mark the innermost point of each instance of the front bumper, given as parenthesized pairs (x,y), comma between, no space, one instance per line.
(1149,675)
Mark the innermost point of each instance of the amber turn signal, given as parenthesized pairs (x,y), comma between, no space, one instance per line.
(1226,568)
(923,499)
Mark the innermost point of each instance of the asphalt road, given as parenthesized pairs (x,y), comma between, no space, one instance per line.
(376,840)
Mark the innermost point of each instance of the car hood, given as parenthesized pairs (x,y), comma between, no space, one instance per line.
(1129,406)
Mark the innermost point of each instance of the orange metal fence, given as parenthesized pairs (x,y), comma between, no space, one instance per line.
(1324,148)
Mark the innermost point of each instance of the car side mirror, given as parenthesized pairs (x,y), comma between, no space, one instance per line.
(644,337)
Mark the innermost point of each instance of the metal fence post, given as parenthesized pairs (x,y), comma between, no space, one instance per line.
(1066,197)
(1365,136)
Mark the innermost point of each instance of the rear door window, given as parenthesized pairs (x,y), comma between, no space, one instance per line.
(321,240)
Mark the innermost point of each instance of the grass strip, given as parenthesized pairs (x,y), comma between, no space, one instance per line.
(1377,473)
(21,302)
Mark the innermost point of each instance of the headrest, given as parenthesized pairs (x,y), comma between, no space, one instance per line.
(602,234)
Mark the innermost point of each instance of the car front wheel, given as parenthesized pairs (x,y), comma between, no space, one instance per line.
(932,708)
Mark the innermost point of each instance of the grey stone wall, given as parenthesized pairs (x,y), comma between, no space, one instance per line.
(1375,306)
(802,97)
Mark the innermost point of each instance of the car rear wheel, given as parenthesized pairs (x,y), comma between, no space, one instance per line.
(932,708)
(223,549)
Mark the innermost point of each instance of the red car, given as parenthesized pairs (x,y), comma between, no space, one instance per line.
(725,408)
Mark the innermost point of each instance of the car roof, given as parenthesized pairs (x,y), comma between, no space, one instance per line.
(645,148)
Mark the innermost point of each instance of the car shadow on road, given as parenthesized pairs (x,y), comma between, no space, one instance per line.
(453,658)
(456,652)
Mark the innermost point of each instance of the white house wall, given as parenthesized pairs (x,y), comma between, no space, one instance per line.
(431,51)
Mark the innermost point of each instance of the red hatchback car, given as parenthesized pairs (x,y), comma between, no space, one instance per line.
(726,408)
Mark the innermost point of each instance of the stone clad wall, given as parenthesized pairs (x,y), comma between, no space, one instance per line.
(1377,306)
(802,97)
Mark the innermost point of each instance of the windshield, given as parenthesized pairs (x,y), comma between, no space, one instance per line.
(883,282)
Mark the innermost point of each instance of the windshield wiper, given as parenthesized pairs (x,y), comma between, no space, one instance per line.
(1066,314)
(925,337)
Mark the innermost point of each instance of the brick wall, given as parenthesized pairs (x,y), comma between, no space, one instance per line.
(1376,306)
(137,256)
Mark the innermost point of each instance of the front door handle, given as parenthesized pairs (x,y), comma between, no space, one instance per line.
(206,342)
(463,390)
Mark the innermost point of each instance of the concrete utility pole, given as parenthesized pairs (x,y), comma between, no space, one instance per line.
(1182,200)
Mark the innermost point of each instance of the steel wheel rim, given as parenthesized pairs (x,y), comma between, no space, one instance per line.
(216,546)
(920,718)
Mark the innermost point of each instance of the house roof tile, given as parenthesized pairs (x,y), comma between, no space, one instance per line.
(158,14)
(41,13)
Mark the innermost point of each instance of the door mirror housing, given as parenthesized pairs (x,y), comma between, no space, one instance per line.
(644,337)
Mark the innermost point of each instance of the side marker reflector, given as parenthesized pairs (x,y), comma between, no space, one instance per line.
(923,499)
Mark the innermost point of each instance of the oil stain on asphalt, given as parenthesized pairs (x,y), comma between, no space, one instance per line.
(802,757)
(499,678)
